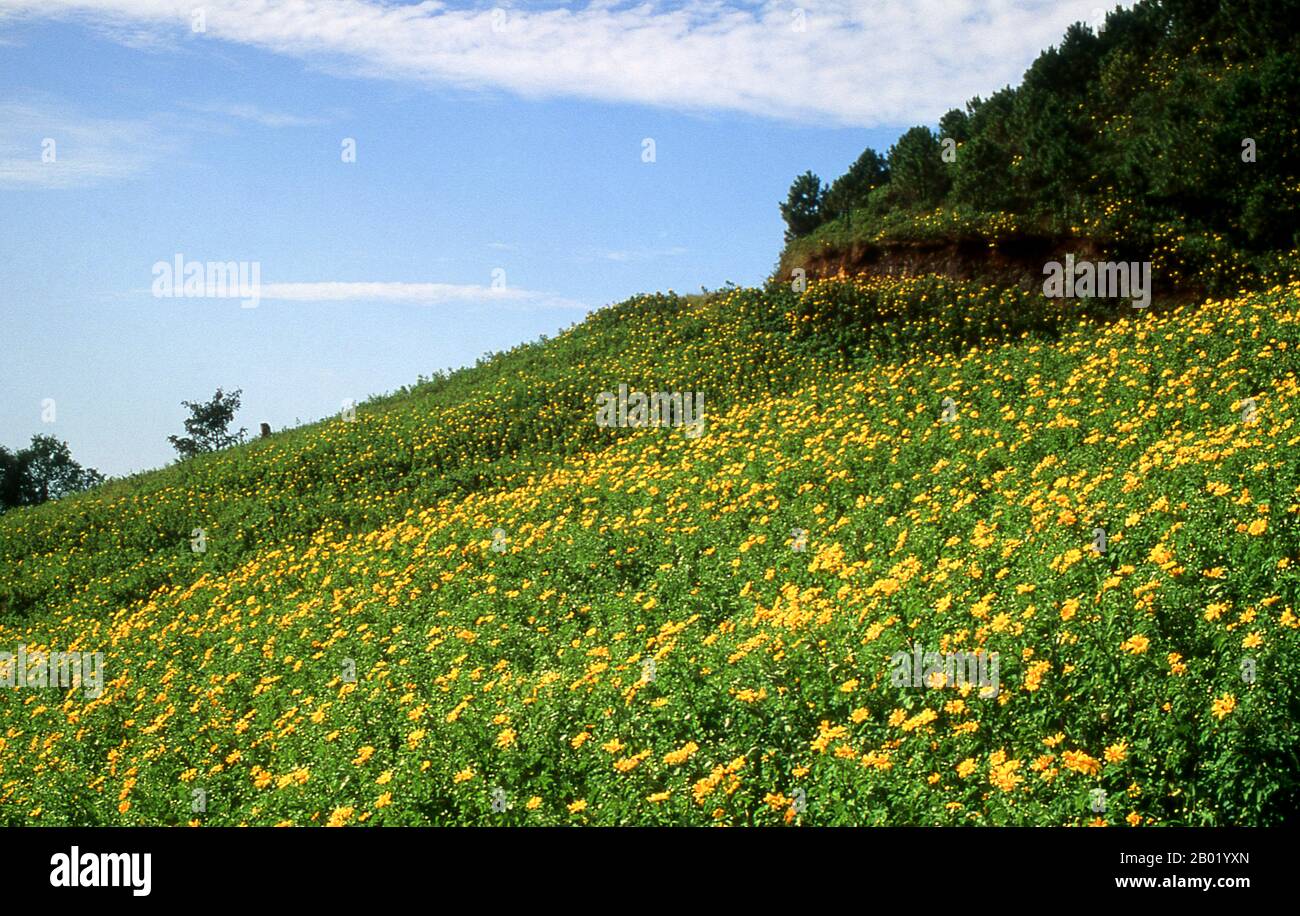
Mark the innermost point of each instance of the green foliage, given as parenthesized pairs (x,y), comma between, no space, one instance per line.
(208,425)
(918,178)
(853,189)
(1152,114)
(802,208)
(44,470)
(368,547)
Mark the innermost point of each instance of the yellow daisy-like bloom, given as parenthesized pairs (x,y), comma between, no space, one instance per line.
(384,778)
(924,717)
(658,797)
(1257,527)
(533,803)
(1136,644)
(682,754)
(363,755)
(506,738)
(1081,763)
(578,806)
(1116,752)
(340,816)
(1003,774)
(966,767)
(383,801)
(826,734)
(1223,705)
(628,764)
(1251,641)
(464,775)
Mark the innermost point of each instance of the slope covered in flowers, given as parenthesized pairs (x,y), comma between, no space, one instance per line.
(653,646)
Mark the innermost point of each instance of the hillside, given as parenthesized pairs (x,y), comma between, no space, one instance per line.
(578,624)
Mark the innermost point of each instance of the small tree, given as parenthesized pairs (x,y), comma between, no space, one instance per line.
(208,425)
(918,177)
(852,190)
(802,208)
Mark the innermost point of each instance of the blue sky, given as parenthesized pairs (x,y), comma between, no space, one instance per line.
(487,140)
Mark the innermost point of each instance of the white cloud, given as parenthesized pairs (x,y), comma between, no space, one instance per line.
(257,115)
(45,144)
(854,62)
(629,255)
(419,293)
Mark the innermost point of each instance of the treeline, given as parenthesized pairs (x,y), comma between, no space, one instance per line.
(46,470)
(1174,111)
(42,471)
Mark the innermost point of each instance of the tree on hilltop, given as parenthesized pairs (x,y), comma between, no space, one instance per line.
(208,425)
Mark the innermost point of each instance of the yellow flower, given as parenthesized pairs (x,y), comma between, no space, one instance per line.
(628,764)
(464,775)
(533,803)
(1116,752)
(1136,644)
(384,778)
(383,801)
(924,717)
(682,754)
(340,816)
(363,755)
(1223,705)
(1081,763)
(966,767)
(506,738)
(578,806)
(1258,526)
